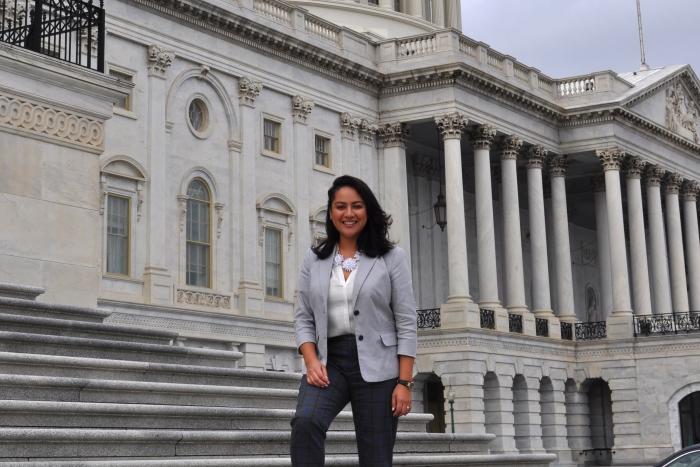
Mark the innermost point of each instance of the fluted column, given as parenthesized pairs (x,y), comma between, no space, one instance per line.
(562,245)
(512,241)
(676,256)
(541,301)
(414,8)
(603,246)
(612,161)
(451,128)
(486,238)
(660,282)
(641,292)
(692,241)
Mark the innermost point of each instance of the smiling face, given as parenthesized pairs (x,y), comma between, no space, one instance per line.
(348,213)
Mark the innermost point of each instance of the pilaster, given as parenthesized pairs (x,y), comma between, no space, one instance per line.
(527,420)
(368,153)
(349,127)
(303,158)
(498,412)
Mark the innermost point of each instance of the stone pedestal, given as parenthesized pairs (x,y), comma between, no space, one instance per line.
(620,326)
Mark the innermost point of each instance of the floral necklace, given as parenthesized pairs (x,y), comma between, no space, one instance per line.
(348,264)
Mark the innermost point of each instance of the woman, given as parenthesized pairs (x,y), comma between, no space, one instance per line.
(355,326)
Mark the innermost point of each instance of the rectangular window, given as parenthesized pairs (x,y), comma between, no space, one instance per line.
(271,131)
(198,243)
(117,235)
(125,101)
(273,262)
(323,155)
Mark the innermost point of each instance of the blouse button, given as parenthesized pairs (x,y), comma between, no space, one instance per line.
(356,312)
(360,338)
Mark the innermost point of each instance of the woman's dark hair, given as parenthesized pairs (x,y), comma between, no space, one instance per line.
(374,239)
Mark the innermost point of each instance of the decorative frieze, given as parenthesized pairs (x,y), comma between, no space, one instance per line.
(182,209)
(673,182)
(690,189)
(248,91)
(451,125)
(611,158)
(682,115)
(193,297)
(219,208)
(301,108)
(393,134)
(536,157)
(159,60)
(634,167)
(368,130)
(653,175)
(483,137)
(349,125)
(49,122)
(511,147)
(558,164)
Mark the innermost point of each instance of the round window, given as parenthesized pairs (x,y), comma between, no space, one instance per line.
(198,115)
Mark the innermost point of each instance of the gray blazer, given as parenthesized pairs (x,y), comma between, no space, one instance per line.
(384,311)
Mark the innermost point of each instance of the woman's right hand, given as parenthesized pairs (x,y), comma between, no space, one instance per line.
(316,374)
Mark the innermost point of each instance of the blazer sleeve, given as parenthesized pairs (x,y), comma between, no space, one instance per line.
(304,322)
(403,304)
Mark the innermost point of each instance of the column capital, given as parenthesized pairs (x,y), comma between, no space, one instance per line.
(611,158)
(598,183)
(451,125)
(484,136)
(536,157)
(301,108)
(634,166)
(511,147)
(690,190)
(393,134)
(367,131)
(349,125)
(159,60)
(558,164)
(653,175)
(673,183)
(249,90)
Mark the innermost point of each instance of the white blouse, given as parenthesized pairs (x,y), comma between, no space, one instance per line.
(340,318)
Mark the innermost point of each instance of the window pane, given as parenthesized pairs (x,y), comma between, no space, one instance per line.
(271,132)
(198,235)
(197,265)
(273,262)
(117,235)
(123,102)
(322,151)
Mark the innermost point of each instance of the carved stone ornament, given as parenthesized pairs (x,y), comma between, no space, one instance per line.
(182,205)
(690,190)
(611,158)
(598,183)
(682,115)
(536,157)
(219,208)
(634,167)
(249,90)
(511,148)
(558,165)
(673,182)
(159,60)
(192,297)
(368,130)
(393,134)
(653,175)
(139,200)
(301,108)
(451,126)
(349,125)
(484,136)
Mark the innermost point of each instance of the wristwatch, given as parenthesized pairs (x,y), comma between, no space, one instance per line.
(407,383)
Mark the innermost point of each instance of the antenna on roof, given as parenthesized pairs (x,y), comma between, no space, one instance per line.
(644,65)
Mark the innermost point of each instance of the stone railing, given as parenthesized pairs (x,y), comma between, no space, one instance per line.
(322,29)
(468,46)
(661,325)
(521,73)
(421,45)
(276,11)
(576,86)
(590,331)
(495,60)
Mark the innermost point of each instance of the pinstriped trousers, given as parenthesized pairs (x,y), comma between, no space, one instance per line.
(375,425)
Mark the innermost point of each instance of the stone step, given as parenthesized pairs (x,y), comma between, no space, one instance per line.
(70,328)
(39,414)
(26,292)
(27,307)
(26,343)
(28,443)
(13,363)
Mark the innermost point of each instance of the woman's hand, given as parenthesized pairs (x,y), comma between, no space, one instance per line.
(316,374)
(401,400)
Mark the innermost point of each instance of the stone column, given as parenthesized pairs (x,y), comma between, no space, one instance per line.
(660,282)
(439,13)
(303,162)
(158,282)
(562,245)
(389,4)
(486,238)
(641,291)
(603,242)
(620,322)
(250,292)
(414,8)
(395,184)
(679,286)
(368,154)
(453,14)
(692,241)
(348,131)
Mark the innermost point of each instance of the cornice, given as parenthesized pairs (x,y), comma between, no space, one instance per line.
(681,75)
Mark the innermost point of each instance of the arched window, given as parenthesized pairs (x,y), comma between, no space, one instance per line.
(689,408)
(198,263)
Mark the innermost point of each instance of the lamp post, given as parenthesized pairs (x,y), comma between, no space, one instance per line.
(440,205)
(451,400)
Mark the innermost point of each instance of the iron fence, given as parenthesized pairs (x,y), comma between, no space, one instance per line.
(567,332)
(673,323)
(429,318)
(592,330)
(487,318)
(515,323)
(542,327)
(69,30)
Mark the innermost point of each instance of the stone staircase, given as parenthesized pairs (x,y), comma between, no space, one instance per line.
(75,391)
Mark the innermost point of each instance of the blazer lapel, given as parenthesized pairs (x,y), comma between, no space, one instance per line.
(324,276)
(363,269)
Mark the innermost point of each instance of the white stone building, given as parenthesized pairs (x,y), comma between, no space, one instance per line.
(571,229)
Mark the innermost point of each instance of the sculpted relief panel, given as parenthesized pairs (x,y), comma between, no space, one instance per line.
(682,113)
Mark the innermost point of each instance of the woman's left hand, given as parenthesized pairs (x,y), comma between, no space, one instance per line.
(401,400)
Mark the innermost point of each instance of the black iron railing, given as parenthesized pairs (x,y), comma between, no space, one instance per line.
(429,318)
(567,332)
(487,318)
(592,330)
(515,323)
(674,323)
(70,30)
(542,327)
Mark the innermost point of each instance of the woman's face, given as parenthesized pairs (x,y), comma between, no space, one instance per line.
(348,213)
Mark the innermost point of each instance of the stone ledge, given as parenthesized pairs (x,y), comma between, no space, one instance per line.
(25,292)
(18,306)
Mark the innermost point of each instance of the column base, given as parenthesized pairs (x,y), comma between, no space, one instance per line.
(620,325)
(250,299)
(157,286)
(459,313)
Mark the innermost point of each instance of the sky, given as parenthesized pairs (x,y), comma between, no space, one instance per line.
(571,37)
